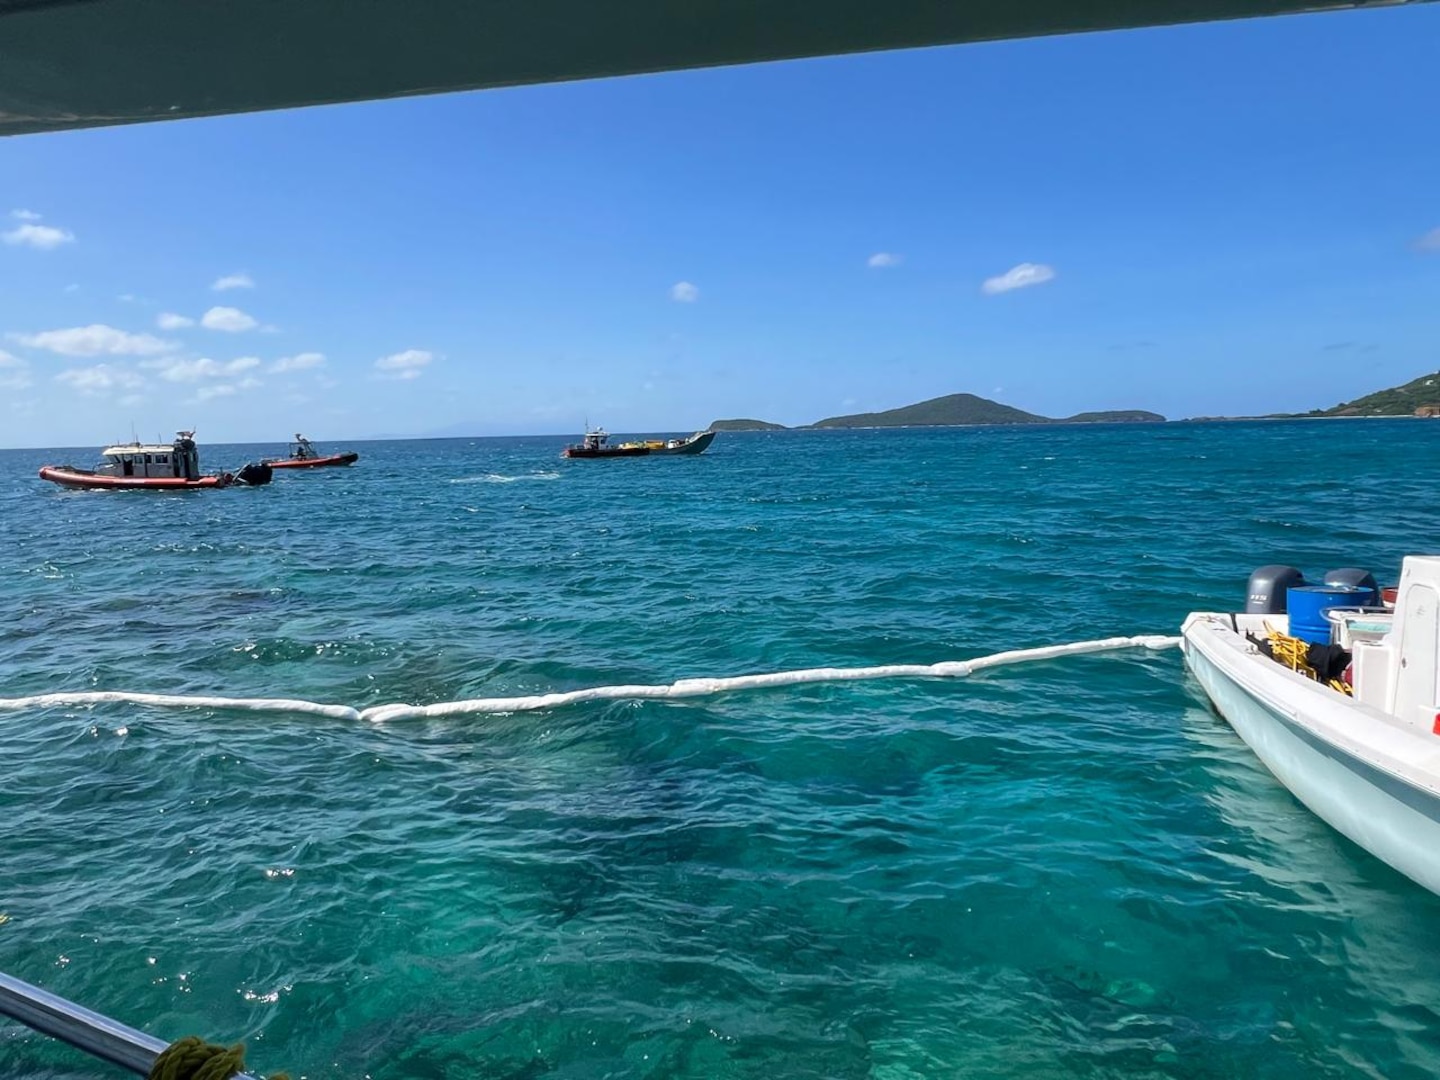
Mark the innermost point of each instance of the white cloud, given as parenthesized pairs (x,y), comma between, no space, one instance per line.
(94,340)
(168,320)
(100,378)
(206,393)
(130,399)
(232,320)
(234,281)
(1430,241)
(24,215)
(1018,277)
(299,362)
(71,288)
(684,293)
(884,260)
(404,365)
(41,237)
(201,368)
(13,372)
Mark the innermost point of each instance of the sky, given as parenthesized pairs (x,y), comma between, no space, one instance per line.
(1221,219)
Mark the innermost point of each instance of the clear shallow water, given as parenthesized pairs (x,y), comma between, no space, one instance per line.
(1067,869)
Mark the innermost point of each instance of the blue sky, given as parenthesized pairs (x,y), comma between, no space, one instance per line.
(1229,218)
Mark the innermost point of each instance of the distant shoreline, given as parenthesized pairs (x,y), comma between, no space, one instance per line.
(571,436)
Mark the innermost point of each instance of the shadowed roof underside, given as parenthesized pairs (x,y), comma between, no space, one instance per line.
(81,63)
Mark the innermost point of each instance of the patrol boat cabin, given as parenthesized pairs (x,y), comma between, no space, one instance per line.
(179,460)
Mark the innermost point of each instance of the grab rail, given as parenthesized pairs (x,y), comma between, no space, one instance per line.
(97,1035)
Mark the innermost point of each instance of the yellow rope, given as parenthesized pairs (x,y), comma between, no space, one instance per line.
(1294,653)
(1290,651)
(192,1058)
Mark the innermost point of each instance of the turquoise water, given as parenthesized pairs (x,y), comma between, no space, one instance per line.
(1065,869)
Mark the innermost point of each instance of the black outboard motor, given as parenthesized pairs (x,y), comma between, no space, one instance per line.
(1356,579)
(1265,594)
(186,455)
(254,475)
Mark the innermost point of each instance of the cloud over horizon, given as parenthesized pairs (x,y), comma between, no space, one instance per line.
(94,340)
(234,281)
(40,237)
(299,362)
(409,364)
(229,319)
(202,368)
(1018,277)
(99,379)
(14,373)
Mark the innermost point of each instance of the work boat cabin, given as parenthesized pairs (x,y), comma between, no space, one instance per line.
(179,460)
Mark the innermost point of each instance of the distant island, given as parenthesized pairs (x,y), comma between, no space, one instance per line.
(745,425)
(952,410)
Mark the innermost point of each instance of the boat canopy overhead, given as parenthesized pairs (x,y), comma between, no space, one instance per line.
(86,63)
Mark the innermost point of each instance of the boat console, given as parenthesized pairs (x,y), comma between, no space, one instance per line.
(1396,672)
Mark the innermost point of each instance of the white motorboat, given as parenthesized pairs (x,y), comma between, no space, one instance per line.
(1362,750)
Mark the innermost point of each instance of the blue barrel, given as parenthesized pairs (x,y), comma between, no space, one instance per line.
(1307,605)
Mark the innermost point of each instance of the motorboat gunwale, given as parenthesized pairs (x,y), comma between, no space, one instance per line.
(1370,772)
(349,457)
(72,477)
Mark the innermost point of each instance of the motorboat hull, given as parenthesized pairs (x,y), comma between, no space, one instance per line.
(82,478)
(695,444)
(347,458)
(606,452)
(1365,774)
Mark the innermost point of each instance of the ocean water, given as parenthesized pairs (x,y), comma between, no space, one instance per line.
(1067,869)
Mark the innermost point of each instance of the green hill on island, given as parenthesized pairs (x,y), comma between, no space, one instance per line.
(952,410)
(965,409)
(941,411)
(745,425)
(1114,416)
(1418,397)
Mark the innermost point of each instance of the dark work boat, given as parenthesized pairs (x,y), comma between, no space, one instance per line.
(597,445)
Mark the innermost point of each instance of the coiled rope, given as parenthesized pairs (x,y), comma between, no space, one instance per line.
(683,688)
(192,1058)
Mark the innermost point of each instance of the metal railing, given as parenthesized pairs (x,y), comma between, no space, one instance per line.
(97,1035)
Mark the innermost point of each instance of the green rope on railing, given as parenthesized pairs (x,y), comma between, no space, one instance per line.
(192,1058)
